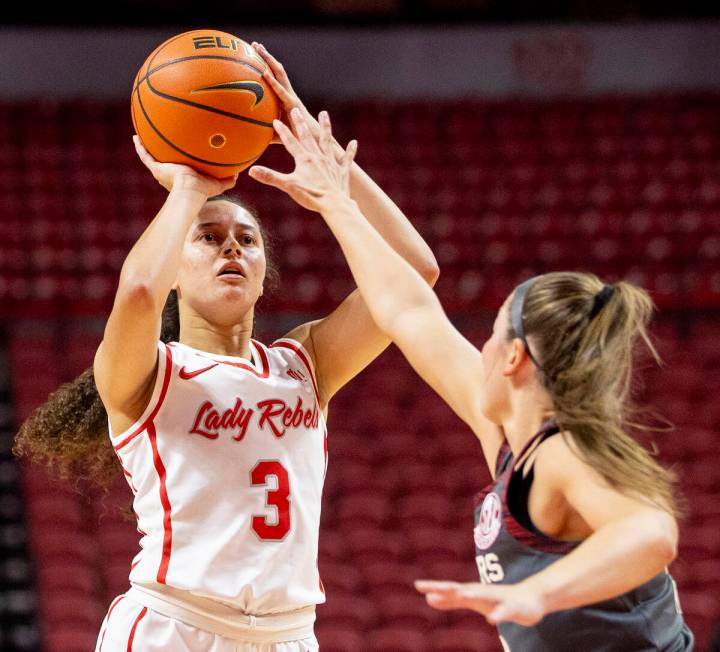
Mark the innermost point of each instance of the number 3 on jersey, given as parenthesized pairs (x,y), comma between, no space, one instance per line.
(279,498)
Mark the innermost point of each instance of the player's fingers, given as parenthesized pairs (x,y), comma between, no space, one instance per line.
(286,98)
(349,155)
(427,586)
(287,138)
(441,601)
(229,182)
(144,155)
(302,130)
(269,177)
(277,68)
(326,136)
(498,614)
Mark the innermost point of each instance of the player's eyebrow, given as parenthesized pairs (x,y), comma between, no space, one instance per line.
(249,226)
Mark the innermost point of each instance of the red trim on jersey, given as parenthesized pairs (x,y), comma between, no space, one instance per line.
(167,520)
(153,414)
(113,604)
(141,615)
(325,451)
(128,475)
(300,354)
(244,365)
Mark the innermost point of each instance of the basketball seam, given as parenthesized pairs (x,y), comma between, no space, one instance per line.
(176,148)
(204,107)
(215,57)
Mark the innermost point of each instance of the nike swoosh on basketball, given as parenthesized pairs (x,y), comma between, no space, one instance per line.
(253,87)
(187,375)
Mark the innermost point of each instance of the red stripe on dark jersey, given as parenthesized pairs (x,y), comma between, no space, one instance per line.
(153,414)
(141,615)
(165,501)
(300,354)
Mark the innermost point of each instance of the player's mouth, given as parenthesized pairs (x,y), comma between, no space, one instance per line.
(231,270)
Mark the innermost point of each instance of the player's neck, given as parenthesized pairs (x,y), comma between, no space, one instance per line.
(231,340)
(529,411)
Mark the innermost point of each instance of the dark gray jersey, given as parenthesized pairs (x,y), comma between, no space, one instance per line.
(510,549)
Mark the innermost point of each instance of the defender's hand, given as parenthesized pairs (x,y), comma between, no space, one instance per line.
(497,602)
(318,179)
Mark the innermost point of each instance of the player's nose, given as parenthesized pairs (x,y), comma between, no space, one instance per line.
(232,246)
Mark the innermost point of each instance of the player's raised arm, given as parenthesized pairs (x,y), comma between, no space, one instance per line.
(345,341)
(127,357)
(402,304)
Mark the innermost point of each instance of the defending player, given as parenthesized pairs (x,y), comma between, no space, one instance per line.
(574,536)
(222,438)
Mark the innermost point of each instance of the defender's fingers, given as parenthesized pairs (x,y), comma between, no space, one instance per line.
(428,586)
(302,130)
(269,177)
(349,155)
(326,137)
(499,614)
(287,137)
(441,601)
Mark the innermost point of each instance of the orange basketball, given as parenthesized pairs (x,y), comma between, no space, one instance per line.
(200,99)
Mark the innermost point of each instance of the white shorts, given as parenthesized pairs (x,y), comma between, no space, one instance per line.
(130,626)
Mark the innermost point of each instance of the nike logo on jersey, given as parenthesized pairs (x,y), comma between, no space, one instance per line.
(187,375)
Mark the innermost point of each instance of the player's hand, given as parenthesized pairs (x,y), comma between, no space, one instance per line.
(318,178)
(169,175)
(277,78)
(497,602)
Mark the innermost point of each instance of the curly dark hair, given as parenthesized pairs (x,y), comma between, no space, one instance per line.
(69,432)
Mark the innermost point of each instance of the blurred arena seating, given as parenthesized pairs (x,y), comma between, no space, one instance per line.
(18,596)
(625,187)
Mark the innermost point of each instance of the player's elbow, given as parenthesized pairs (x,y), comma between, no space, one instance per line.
(429,270)
(663,537)
(136,293)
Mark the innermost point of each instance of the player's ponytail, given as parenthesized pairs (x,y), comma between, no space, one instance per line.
(68,433)
(583,336)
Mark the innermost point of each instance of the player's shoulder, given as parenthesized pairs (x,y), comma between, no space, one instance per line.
(559,461)
(291,349)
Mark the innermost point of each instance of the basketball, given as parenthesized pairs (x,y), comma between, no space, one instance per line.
(200,100)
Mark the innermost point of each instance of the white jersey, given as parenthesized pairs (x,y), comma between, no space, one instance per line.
(227,467)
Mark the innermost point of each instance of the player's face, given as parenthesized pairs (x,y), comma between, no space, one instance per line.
(222,268)
(496,351)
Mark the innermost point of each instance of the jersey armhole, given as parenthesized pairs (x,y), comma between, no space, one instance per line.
(162,380)
(304,357)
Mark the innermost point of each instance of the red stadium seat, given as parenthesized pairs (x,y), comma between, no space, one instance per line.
(397,638)
(455,639)
(334,638)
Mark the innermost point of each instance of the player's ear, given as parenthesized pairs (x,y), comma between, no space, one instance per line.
(516,356)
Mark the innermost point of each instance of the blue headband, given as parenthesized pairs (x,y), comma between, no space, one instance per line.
(516,314)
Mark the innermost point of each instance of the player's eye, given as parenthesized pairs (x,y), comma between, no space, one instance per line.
(249,240)
(208,237)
